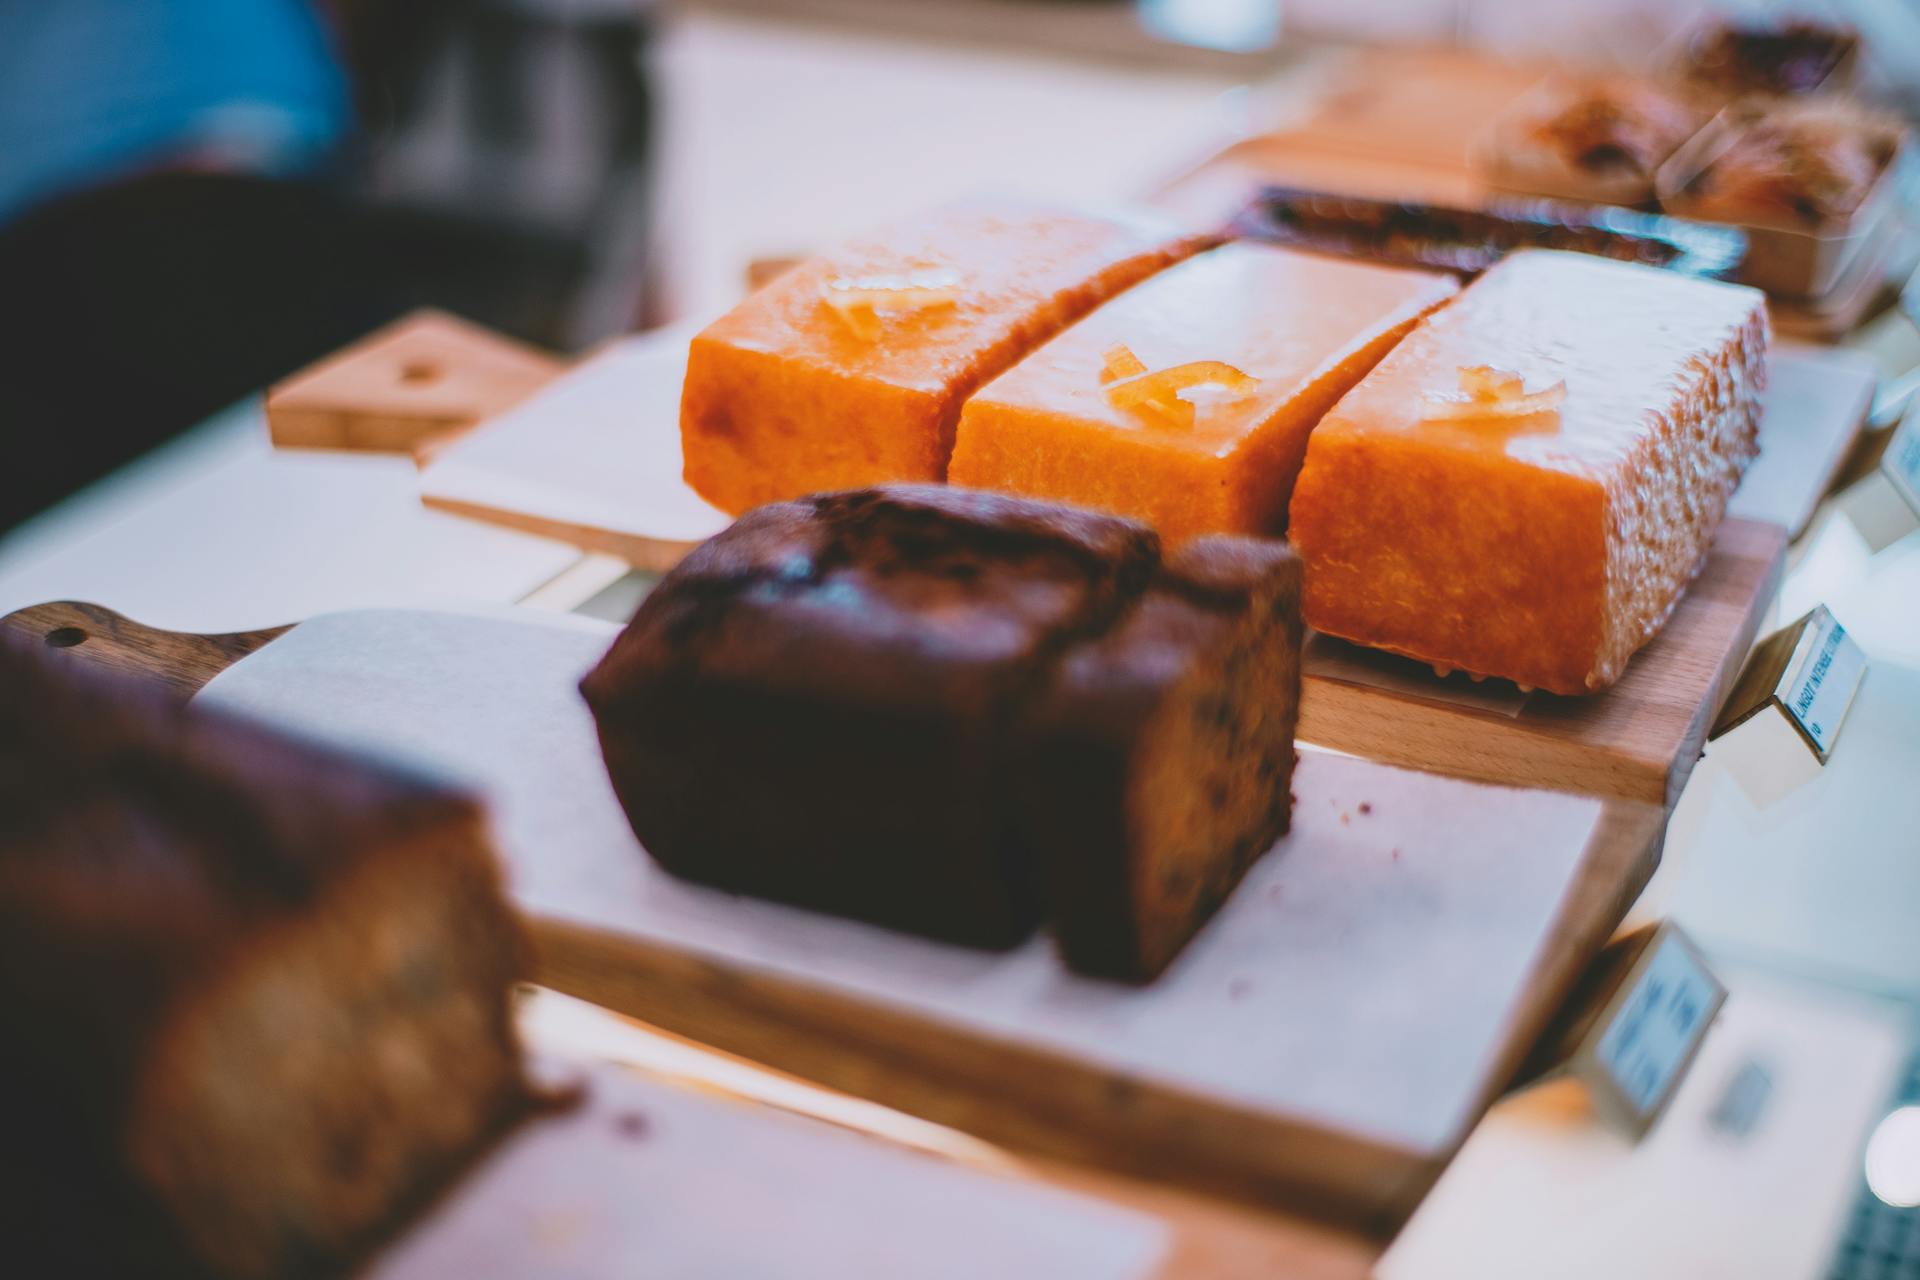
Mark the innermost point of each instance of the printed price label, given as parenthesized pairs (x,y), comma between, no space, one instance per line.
(1821,679)
(1657,1027)
(1901,462)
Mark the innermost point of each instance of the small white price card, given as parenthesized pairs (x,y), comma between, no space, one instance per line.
(1901,461)
(1821,679)
(1631,1026)
(1653,1026)
(1809,671)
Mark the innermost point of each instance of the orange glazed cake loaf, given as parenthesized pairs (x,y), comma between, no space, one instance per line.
(1528,483)
(1186,402)
(850,369)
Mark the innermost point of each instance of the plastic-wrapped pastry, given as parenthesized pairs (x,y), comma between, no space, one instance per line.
(1803,163)
(1599,137)
(1784,56)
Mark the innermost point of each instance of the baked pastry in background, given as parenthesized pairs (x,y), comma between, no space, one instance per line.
(1797,163)
(1527,484)
(827,703)
(257,995)
(1786,56)
(1235,354)
(850,369)
(1592,137)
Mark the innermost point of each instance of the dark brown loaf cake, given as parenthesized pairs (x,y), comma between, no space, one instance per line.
(256,996)
(942,711)
(1155,764)
(810,707)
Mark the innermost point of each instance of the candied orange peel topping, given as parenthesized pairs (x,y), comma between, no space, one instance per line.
(863,303)
(1487,392)
(1120,363)
(1171,397)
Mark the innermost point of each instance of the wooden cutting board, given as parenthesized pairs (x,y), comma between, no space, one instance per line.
(1324,1045)
(410,387)
(646,1179)
(1638,740)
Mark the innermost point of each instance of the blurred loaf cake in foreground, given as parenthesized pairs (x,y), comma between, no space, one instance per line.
(825,705)
(850,369)
(257,994)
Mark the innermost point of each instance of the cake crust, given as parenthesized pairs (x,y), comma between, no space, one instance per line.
(1548,548)
(1155,763)
(956,713)
(784,397)
(1306,328)
(849,660)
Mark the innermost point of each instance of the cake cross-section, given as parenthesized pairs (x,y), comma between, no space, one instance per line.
(1153,765)
(850,369)
(1527,484)
(1186,402)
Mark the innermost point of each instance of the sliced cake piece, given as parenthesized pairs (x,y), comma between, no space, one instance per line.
(850,369)
(1154,765)
(1528,483)
(1186,402)
(810,707)
(257,995)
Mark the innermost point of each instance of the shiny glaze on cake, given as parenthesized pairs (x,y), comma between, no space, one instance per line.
(1544,549)
(783,398)
(1307,327)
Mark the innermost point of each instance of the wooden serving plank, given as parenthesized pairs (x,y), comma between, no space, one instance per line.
(1208,194)
(1418,106)
(643,1178)
(410,387)
(1639,740)
(559,1196)
(1323,1046)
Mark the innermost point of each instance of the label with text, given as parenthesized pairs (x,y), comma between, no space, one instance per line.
(1821,679)
(1901,462)
(1653,1035)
